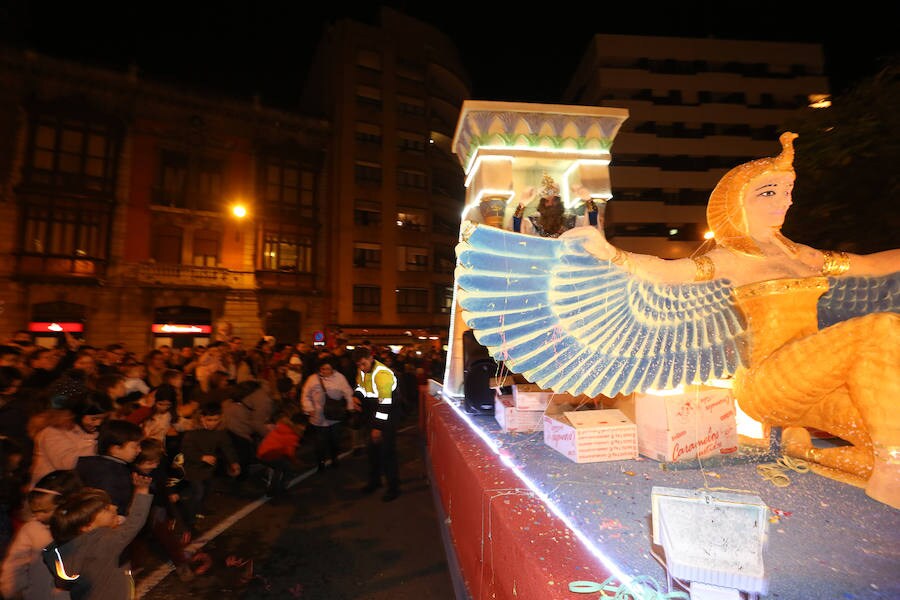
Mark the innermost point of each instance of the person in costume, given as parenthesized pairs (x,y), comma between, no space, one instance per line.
(552,219)
(812,338)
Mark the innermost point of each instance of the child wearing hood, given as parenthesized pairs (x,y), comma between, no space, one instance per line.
(88,540)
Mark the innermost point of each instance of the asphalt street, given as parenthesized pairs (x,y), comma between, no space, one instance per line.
(322,540)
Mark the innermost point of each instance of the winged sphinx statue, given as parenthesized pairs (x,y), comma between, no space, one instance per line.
(810,338)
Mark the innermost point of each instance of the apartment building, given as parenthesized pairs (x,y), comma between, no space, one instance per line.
(697,108)
(392,92)
(149,214)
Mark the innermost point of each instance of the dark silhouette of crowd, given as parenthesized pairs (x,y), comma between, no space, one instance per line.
(109,456)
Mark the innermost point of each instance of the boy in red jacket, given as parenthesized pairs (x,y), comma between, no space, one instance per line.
(278,450)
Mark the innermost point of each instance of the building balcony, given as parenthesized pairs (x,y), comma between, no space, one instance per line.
(150,273)
(287,281)
(50,267)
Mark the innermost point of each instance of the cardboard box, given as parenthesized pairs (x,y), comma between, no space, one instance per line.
(512,419)
(699,422)
(528,396)
(590,435)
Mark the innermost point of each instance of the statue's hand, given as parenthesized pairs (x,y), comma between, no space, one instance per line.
(593,241)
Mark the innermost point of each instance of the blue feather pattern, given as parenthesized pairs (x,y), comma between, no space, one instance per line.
(849,297)
(571,322)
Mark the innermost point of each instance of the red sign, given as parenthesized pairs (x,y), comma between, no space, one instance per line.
(56,327)
(178,328)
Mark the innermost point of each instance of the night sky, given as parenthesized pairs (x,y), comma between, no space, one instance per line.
(265,47)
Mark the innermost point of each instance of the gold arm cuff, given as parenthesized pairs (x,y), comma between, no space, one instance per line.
(519,210)
(836,263)
(590,205)
(706,268)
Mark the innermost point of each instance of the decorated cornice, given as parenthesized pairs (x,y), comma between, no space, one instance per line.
(517,125)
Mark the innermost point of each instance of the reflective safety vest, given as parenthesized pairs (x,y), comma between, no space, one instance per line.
(367,384)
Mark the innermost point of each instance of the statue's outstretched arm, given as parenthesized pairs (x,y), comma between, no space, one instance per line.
(645,266)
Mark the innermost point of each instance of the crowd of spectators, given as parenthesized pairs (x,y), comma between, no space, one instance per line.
(88,431)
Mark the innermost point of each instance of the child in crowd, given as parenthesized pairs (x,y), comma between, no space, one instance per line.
(278,450)
(110,471)
(135,385)
(163,512)
(61,436)
(88,540)
(201,448)
(24,574)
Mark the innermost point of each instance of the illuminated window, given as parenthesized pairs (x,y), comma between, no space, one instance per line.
(286,252)
(443,299)
(206,248)
(65,227)
(411,219)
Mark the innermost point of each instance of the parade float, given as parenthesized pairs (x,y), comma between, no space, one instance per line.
(676,397)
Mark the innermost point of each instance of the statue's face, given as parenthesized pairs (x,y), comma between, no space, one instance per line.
(766,200)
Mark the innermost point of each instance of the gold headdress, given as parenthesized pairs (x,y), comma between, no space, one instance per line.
(725,212)
(549,189)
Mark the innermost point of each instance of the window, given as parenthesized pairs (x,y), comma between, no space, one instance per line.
(65,227)
(366,298)
(287,187)
(411,258)
(407,69)
(412,300)
(445,226)
(173,176)
(368,97)
(412,143)
(443,299)
(370,59)
(367,172)
(191,182)
(366,213)
(290,253)
(206,248)
(72,153)
(366,255)
(444,259)
(411,219)
(209,184)
(167,244)
(368,133)
(410,178)
(411,106)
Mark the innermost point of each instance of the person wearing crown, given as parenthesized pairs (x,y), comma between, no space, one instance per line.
(552,219)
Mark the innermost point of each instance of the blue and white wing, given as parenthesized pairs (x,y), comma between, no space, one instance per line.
(849,297)
(571,322)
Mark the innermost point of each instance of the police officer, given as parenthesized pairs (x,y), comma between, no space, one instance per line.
(376,384)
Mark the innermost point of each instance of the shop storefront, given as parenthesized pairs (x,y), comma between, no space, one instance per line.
(181,326)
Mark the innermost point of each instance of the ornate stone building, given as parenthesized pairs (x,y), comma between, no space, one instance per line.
(117,218)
